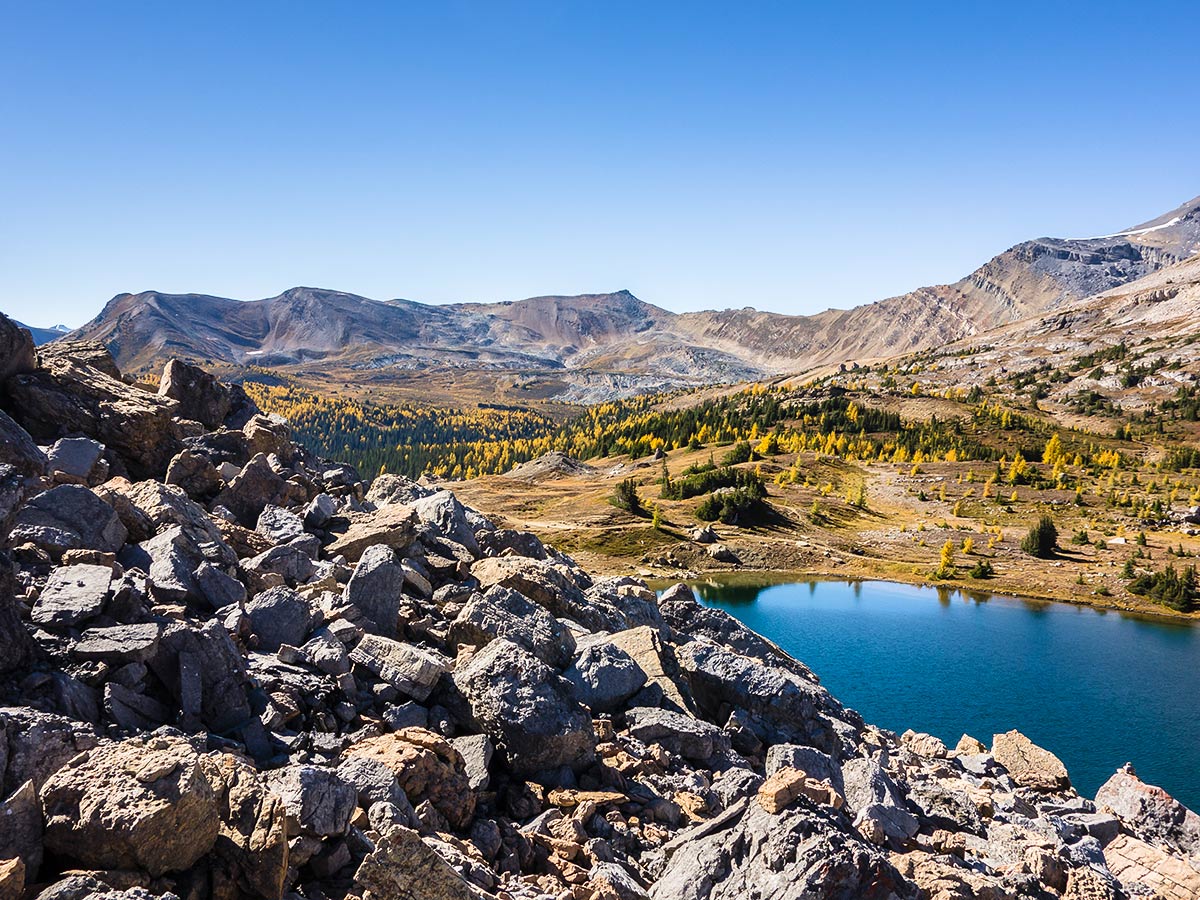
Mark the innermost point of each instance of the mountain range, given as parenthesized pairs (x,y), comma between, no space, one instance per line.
(603,345)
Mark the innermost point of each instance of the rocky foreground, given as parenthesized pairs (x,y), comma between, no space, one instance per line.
(229,669)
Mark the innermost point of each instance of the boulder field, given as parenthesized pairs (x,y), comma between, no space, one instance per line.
(232,669)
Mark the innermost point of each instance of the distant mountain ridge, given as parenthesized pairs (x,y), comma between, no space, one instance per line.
(618,340)
(44,335)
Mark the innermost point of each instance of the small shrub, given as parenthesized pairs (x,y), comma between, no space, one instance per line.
(982,569)
(1042,539)
(626,497)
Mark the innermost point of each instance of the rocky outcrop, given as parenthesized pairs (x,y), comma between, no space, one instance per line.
(67,397)
(268,680)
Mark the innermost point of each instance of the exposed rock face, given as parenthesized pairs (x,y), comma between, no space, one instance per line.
(69,397)
(1151,812)
(270,687)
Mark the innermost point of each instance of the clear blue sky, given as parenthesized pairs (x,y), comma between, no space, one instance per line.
(784,156)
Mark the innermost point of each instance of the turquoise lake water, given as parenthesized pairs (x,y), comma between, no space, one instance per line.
(1097,688)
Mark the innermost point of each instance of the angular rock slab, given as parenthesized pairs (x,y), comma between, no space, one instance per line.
(1029,765)
(410,670)
(73,594)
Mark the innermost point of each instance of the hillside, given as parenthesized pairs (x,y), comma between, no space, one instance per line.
(593,347)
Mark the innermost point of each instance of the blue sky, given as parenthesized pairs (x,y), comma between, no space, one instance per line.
(783,156)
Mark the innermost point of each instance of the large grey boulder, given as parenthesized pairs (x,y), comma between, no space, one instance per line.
(395,489)
(877,803)
(279,525)
(205,675)
(37,745)
(501,612)
(546,584)
(604,676)
(289,563)
(279,616)
(173,558)
(783,706)
(376,588)
(393,526)
(625,602)
(697,740)
(316,799)
(526,709)
(444,512)
(797,854)
(254,488)
(119,644)
(68,517)
(78,460)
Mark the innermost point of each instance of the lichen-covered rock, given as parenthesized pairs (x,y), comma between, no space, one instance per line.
(140,804)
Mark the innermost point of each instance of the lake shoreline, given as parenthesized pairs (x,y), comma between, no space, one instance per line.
(1096,690)
(783,576)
